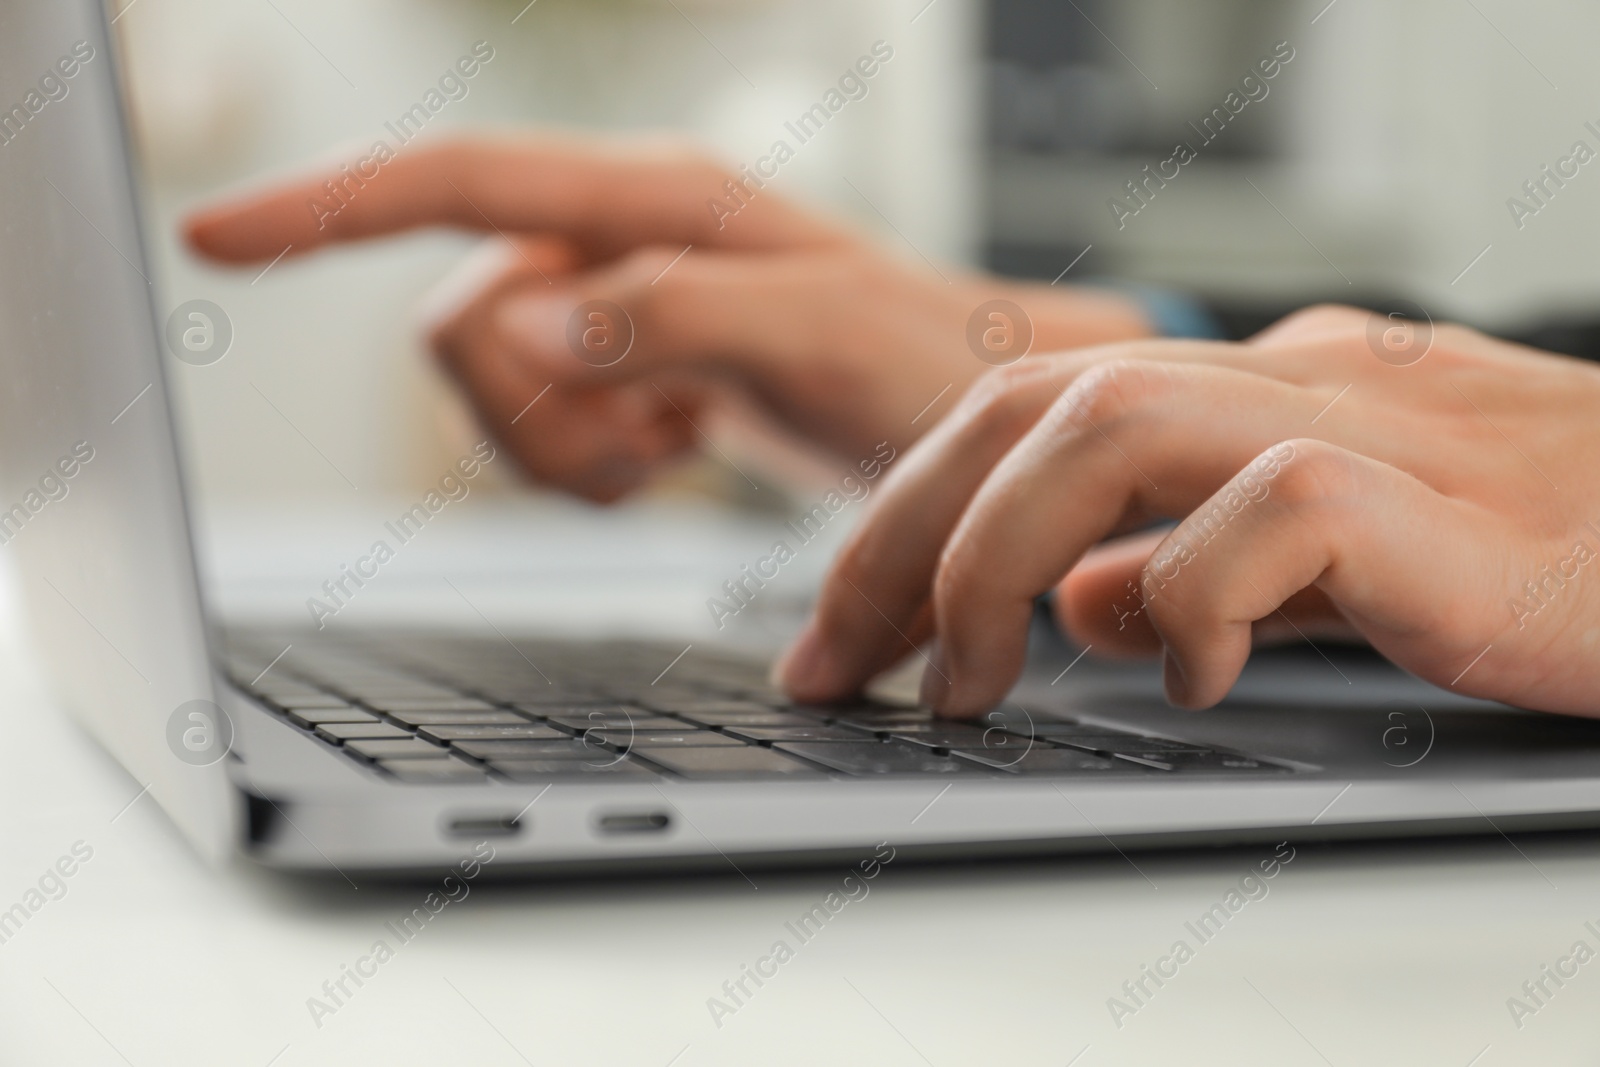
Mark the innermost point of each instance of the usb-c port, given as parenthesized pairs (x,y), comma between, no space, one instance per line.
(647,822)
(484,826)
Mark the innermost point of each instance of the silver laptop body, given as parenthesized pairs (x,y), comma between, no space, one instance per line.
(1314,743)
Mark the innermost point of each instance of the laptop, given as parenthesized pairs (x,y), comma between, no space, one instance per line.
(396,750)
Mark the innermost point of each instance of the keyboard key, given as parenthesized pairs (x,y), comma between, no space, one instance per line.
(1041,724)
(816,732)
(666,739)
(412,695)
(750,718)
(880,718)
(692,705)
(563,748)
(628,692)
(309,717)
(429,704)
(338,672)
(556,698)
(746,761)
(284,693)
(960,735)
(359,731)
(1044,759)
(404,748)
(1215,762)
(643,721)
(527,731)
(433,770)
(1114,743)
(594,713)
(315,700)
(760,694)
(458,718)
(1055,728)
(536,770)
(878,757)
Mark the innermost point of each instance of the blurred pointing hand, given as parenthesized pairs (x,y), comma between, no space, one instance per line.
(840,345)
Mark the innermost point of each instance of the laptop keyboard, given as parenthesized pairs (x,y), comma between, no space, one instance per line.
(458,709)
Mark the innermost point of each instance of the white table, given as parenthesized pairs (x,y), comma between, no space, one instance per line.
(1401,953)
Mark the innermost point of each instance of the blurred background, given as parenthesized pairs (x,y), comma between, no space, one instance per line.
(228,91)
(1379,165)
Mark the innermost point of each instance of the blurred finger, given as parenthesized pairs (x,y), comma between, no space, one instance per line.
(710,310)
(492,270)
(457,313)
(599,444)
(606,198)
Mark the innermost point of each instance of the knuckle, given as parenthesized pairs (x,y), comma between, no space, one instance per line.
(1334,314)
(1004,399)
(1108,392)
(1324,318)
(996,385)
(1305,472)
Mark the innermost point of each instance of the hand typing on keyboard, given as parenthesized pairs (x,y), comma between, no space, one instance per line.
(1446,510)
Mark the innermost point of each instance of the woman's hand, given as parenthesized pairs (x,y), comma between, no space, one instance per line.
(770,307)
(1448,511)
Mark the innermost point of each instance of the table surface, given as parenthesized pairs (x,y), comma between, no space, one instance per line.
(1381,953)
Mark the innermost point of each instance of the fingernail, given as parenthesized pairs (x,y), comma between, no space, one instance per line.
(536,327)
(1173,680)
(936,685)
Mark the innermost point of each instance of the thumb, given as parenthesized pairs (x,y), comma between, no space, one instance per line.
(653,310)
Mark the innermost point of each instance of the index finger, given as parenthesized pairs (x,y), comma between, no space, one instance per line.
(605,197)
(883,574)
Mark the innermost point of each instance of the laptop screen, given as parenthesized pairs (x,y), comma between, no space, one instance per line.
(91,502)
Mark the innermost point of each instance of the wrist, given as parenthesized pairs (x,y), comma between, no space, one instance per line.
(1080,315)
